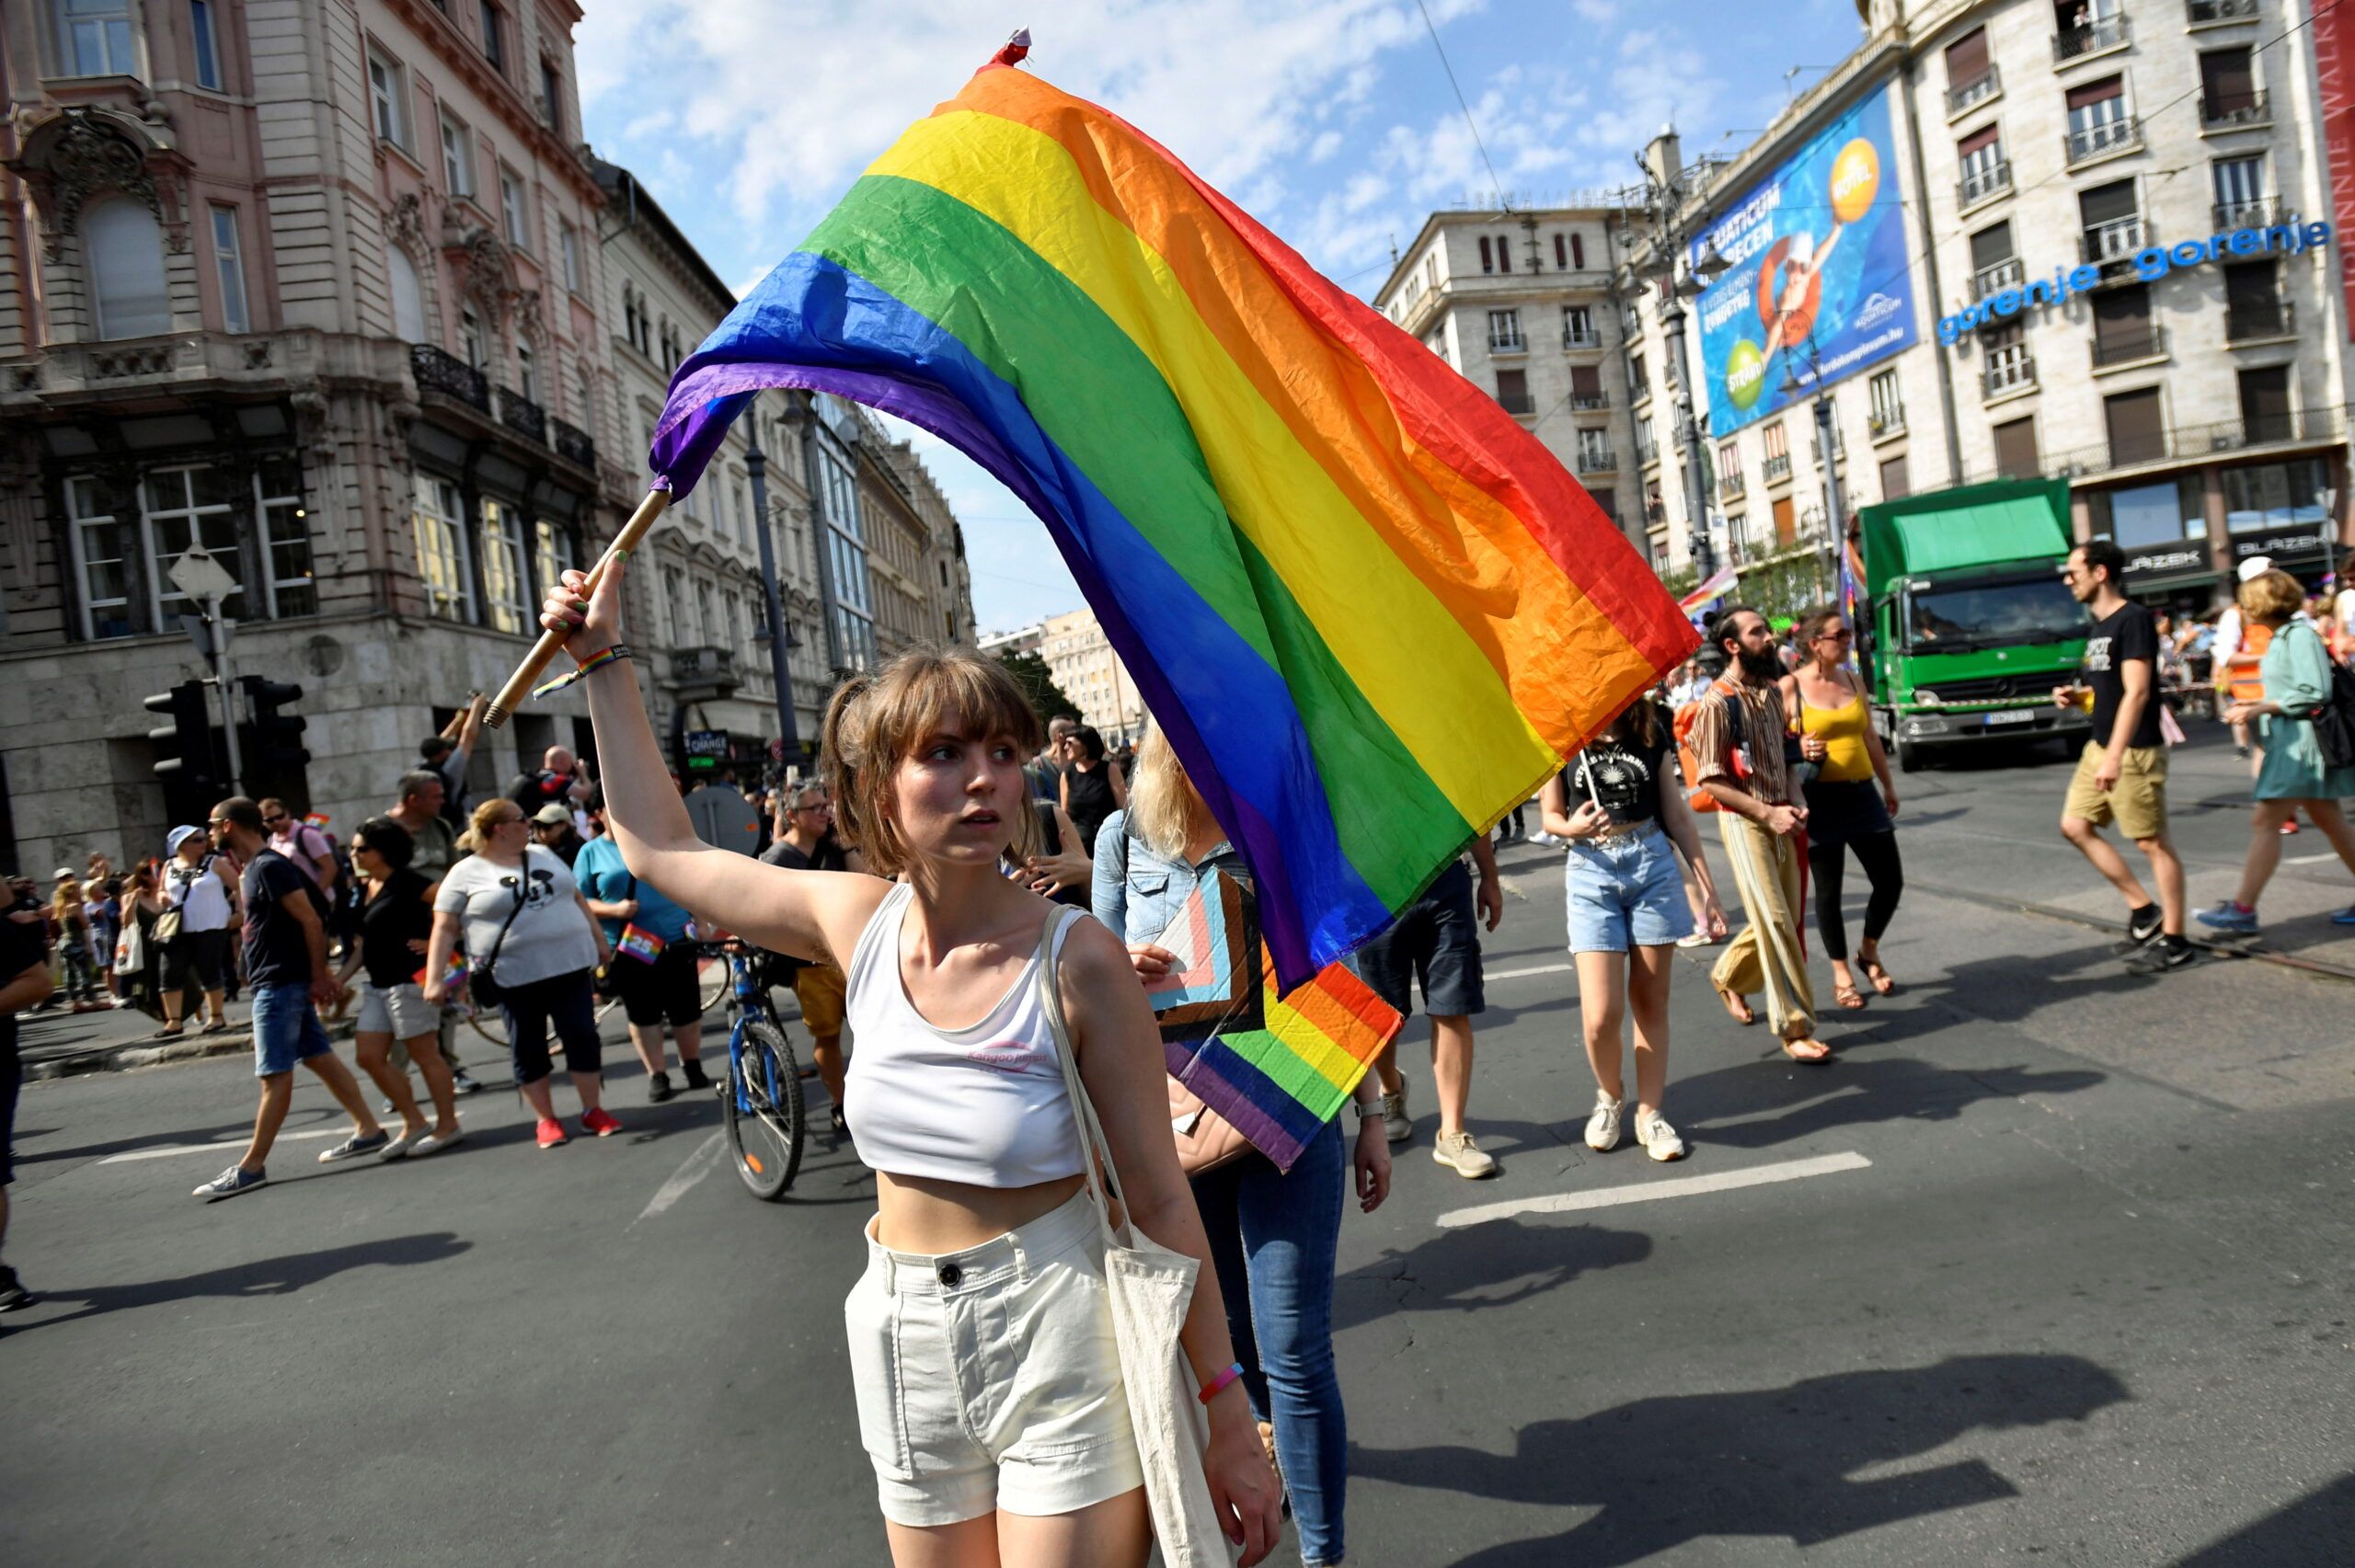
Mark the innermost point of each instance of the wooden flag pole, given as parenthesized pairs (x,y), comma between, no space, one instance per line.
(527,674)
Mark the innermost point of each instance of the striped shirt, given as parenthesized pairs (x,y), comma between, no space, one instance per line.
(1712,741)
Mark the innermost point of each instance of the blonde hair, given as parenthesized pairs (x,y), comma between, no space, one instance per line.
(1161,798)
(875,723)
(2270,599)
(489,815)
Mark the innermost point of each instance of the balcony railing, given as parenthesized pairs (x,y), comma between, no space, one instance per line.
(572,444)
(2008,369)
(1598,460)
(1655,513)
(2246,322)
(2119,237)
(1631,325)
(2102,137)
(1516,402)
(2225,111)
(2255,214)
(1589,402)
(438,371)
(2134,343)
(1839,447)
(522,415)
(1507,343)
(1997,277)
(1978,185)
(1647,448)
(1573,339)
(2192,443)
(2204,11)
(1778,466)
(1638,393)
(2094,37)
(1731,483)
(1888,421)
(1978,89)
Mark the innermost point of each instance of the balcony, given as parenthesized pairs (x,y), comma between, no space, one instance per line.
(1655,513)
(522,415)
(2208,13)
(1516,402)
(1598,460)
(1888,421)
(1640,394)
(1839,447)
(572,444)
(2102,139)
(1731,483)
(1631,326)
(1573,339)
(446,373)
(2258,212)
(2254,323)
(1778,466)
(701,669)
(2009,369)
(2235,111)
(1980,184)
(1508,343)
(2192,443)
(2092,39)
(2115,240)
(1995,279)
(1589,402)
(2144,342)
(1978,90)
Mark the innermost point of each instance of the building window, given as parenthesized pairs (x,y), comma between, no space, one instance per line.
(2265,411)
(845,563)
(1504,253)
(2112,216)
(1513,392)
(230,264)
(457,156)
(1984,172)
(1638,381)
(208,52)
(2098,117)
(2240,193)
(2228,91)
(1887,410)
(551,96)
(494,37)
(442,568)
(102,548)
(2146,517)
(552,552)
(1577,328)
(2272,495)
(471,342)
(286,538)
(675,607)
(527,372)
(1776,441)
(1896,484)
(1994,263)
(409,297)
(514,208)
(93,38)
(504,588)
(1594,449)
(2015,456)
(2136,426)
(1561,253)
(388,90)
(568,238)
(1504,331)
(182,508)
(2253,304)
(1488,255)
(125,246)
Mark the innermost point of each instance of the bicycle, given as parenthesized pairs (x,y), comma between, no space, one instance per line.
(760,1096)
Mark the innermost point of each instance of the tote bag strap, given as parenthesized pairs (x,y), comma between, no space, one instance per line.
(1094,1153)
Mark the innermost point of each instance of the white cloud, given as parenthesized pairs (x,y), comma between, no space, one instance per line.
(1599,12)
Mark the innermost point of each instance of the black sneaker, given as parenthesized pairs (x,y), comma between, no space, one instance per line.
(658,1088)
(2142,934)
(14,1297)
(696,1077)
(464,1083)
(2169,954)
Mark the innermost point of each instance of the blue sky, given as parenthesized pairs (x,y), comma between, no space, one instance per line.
(1331,121)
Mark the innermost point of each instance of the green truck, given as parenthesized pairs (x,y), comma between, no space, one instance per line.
(1970,626)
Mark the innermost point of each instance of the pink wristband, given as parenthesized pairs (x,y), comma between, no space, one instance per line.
(1210,1390)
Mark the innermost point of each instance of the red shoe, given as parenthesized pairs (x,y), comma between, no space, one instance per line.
(2290,826)
(601,1122)
(552,1133)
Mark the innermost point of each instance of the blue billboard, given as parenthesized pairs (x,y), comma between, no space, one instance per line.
(1820,283)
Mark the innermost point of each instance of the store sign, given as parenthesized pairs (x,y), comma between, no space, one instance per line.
(2292,541)
(2151,264)
(706,750)
(2166,563)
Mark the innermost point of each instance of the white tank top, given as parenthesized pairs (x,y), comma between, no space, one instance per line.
(983,1105)
(197,893)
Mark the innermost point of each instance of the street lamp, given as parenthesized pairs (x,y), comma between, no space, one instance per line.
(756,464)
(1836,524)
(1664,194)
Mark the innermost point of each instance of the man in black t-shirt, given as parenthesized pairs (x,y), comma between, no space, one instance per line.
(287,970)
(2123,774)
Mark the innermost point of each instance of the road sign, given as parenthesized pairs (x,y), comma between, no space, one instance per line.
(202,577)
(210,637)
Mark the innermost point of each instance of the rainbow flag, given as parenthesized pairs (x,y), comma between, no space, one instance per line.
(1368,608)
(1721,583)
(1278,1084)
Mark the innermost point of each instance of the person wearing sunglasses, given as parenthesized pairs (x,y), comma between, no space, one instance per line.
(1851,801)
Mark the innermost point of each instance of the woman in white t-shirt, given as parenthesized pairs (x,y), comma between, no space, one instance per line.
(525,926)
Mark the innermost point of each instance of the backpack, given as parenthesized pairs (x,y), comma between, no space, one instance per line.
(1698,799)
(2334,721)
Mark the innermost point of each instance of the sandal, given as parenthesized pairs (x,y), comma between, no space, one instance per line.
(1823,1052)
(168,1034)
(1848,996)
(223,1027)
(1738,1010)
(1877,973)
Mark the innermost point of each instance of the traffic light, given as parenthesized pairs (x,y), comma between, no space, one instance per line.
(185,764)
(277,735)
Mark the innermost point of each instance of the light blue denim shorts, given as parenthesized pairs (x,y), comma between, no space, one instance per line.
(1624,891)
(286,1028)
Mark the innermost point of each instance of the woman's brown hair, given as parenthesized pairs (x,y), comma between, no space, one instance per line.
(876,722)
(1812,628)
(1639,722)
(2270,599)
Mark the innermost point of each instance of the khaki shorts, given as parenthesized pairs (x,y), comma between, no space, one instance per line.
(2138,804)
(819,987)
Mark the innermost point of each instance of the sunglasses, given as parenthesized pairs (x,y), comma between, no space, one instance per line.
(1840,636)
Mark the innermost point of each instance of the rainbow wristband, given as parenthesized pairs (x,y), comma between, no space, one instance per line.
(612,654)
(1210,1390)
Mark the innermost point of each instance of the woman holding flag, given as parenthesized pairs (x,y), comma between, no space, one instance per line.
(990,1400)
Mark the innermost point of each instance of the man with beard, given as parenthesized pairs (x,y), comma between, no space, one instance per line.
(1737,741)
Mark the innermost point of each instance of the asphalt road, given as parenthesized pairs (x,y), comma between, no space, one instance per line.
(2055,1265)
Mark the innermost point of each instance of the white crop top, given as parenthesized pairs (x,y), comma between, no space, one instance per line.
(983,1105)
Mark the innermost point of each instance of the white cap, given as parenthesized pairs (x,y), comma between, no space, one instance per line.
(2254,566)
(178,836)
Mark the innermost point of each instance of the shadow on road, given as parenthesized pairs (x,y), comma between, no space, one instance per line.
(264,1277)
(2317,1529)
(1472,1269)
(1771,1463)
(1718,1105)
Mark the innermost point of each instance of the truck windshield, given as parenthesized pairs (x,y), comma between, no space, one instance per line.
(1993,614)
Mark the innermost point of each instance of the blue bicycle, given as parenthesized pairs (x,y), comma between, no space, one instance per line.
(760,1097)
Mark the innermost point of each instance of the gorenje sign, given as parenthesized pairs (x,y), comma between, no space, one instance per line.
(2151,264)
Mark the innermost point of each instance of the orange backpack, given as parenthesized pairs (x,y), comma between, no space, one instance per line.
(1699,799)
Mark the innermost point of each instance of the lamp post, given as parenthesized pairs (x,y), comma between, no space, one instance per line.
(1665,193)
(756,464)
(1835,524)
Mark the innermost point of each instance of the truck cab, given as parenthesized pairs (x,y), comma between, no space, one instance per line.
(1970,626)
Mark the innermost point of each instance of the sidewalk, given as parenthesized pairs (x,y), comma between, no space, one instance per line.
(59,1042)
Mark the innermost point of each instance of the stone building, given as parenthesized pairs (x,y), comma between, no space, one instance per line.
(313,283)
(1081,659)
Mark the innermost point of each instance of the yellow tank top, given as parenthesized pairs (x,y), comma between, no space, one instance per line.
(1842,730)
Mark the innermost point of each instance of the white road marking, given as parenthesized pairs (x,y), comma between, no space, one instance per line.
(1540,969)
(2309,859)
(230,1145)
(693,1169)
(1647,1192)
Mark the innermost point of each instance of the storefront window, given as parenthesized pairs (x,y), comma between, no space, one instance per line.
(2145,515)
(2269,494)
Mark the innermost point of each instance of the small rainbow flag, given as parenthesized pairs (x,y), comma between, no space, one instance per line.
(1721,583)
(1371,612)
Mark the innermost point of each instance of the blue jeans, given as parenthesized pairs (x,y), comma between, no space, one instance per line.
(1272,1239)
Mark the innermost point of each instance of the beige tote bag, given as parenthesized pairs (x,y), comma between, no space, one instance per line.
(1151,1288)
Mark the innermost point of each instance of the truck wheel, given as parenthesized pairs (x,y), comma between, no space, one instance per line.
(1909,757)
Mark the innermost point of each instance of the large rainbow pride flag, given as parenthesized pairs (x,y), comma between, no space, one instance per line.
(1370,611)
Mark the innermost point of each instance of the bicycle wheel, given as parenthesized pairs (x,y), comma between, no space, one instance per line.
(711,980)
(762,1107)
(489,1022)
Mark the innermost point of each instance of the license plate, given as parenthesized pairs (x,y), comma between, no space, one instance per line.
(2012,716)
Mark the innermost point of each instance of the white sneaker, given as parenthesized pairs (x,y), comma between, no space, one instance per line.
(1602,1128)
(1460,1154)
(1396,1125)
(430,1144)
(1697,939)
(1658,1139)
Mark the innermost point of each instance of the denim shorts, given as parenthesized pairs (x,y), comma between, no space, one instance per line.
(1436,938)
(1624,891)
(989,1378)
(286,1028)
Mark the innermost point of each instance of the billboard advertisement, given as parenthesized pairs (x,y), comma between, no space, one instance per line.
(1821,282)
